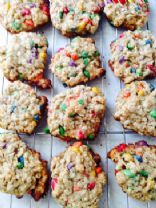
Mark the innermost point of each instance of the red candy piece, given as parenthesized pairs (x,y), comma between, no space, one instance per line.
(121,35)
(151,67)
(54,183)
(91,185)
(97,9)
(94,114)
(116,171)
(98,170)
(87,21)
(126,94)
(116,1)
(26,12)
(74,56)
(65,10)
(45,9)
(29,22)
(81,135)
(122,1)
(121,147)
(77,144)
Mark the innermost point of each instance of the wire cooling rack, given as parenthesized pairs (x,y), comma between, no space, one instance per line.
(111,132)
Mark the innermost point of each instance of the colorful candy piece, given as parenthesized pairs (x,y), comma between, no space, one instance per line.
(46,130)
(36,118)
(91,185)
(96,90)
(122,147)
(98,170)
(81,101)
(81,135)
(138,158)
(86,73)
(153,113)
(90,137)
(143,173)
(54,183)
(128,173)
(141,143)
(61,131)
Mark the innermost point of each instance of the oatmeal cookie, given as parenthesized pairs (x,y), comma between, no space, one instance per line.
(24,58)
(23,15)
(22,169)
(76,113)
(134,55)
(136,108)
(20,108)
(136,169)
(77,177)
(130,14)
(78,62)
(76,17)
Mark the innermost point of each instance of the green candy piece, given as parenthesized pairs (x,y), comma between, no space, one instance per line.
(146,1)
(71,10)
(129,46)
(81,102)
(60,15)
(90,136)
(143,173)
(63,107)
(46,130)
(72,115)
(16,25)
(128,173)
(20,165)
(20,76)
(32,43)
(84,54)
(61,131)
(139,72)
(92,16)
(85,61)
(86,73)
(153,113)
(96,53)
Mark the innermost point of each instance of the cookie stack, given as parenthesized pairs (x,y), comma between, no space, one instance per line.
(76,114)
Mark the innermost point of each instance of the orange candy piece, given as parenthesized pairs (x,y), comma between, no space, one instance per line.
(74,56)
(126,94)
(29,23)
(98,170)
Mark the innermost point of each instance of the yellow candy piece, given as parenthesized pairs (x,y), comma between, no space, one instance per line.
(8,6)
(127,85)
(81,26)
(93,173)
(96,90)
(43,55)
(150,183)
(128,157)
(141,93)
(33,123)
(130,1)
(81,6)
(75,149)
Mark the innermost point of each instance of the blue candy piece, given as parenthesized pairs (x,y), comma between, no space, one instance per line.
(36,118)
(148,42)
(133,70)
(21,159)
(137,157)
(151,87)
(13,108)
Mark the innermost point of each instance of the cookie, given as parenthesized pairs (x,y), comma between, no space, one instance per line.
(24,15)
(76,113)
(20,108)
(24,58)
(133,56)
(76,17)
(135,169)
(77,177)
(78,62)
(136,108)
(22,169)
(130,14)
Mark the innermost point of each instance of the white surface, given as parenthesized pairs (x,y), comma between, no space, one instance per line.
(111,133)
